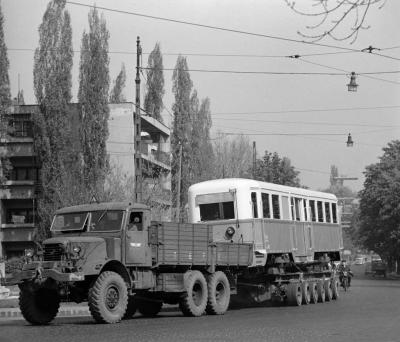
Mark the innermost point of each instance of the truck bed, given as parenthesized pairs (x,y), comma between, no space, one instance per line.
(192,245)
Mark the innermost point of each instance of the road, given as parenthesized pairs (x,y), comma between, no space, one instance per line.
(369,311)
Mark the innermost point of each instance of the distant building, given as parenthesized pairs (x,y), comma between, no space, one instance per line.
(18,218)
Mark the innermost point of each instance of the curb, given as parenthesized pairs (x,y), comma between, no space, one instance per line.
(63,312)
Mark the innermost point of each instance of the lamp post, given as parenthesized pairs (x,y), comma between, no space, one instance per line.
(349,141)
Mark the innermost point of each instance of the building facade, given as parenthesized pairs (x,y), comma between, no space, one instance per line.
(18,193)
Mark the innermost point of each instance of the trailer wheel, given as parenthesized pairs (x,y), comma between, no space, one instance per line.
(131,307)
(335,288)
(39,306)
(321,291)
(314,292)
(194,300)
(219,293)
(328,290)
(108,298)
(149,308)
(306,292)
(294,295)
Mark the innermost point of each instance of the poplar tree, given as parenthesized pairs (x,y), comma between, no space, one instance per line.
(116,95)
(182,87)
(93,98)
(5,96)
(52,86)
(153,101)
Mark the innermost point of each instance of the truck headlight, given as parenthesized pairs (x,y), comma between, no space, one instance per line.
(77,249)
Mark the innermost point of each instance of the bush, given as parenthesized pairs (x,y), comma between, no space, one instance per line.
(14,264)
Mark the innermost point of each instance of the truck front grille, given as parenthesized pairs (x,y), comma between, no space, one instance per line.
(53,252)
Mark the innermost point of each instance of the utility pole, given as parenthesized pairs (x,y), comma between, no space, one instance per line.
(138,128)
(254,159)
(178,200)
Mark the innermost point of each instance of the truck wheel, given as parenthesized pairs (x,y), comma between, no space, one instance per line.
(194,301)
(219,293)
(321,291)
(335,288)
(131,307)
(108,298)
(314,292)
(306,292)
(328,290)
(294,296)
(149,308)
(39,306)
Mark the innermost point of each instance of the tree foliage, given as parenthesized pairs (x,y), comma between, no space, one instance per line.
(331,16)
(274,169)
(379,217)
(52,85)
(116,95)
(93,99)
(153,101)
(5,97)
(232,156)
(181,133)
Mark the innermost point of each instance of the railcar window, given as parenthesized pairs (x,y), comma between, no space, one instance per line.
(254,204)
(320,211)
(297,207)
(265,203)
(305,210)
(275,207)
(312,211)
(334,213)
(327,212)
(217,211)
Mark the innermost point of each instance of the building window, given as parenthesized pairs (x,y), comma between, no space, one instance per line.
(23,173)
(21,128)
(19,216)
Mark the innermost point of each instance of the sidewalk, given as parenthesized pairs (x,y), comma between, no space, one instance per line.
(9,308)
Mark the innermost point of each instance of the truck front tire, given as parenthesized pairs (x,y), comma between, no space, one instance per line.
(39,306)
(108,298)
(194,300)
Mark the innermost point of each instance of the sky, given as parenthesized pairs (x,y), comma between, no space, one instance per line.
(299,114)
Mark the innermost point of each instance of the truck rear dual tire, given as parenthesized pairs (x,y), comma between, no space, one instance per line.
(39,306)
(194,300)
(108,298)
(219,293)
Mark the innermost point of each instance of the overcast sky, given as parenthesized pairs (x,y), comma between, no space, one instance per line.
(291,104)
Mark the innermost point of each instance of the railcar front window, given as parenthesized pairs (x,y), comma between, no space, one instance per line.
(217,211)
(276,207)
(327,212)
(265,203)
(320,212)
(69,222)
(334,214)
(312,211)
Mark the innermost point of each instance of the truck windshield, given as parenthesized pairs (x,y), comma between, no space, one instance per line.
(106,220)
(70,221)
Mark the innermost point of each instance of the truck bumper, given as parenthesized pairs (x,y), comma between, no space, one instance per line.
(41,272)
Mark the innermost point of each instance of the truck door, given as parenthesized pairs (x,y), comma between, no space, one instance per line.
(136,238)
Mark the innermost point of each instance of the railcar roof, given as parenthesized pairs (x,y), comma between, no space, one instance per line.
(102,206)
(213,185)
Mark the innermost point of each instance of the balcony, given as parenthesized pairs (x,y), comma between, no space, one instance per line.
(17,147)
(150,153)
(17,192)
(19,233)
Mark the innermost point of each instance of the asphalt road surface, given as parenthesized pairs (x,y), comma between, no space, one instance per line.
(369,311)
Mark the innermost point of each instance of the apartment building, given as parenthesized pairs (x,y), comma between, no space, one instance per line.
(18,218)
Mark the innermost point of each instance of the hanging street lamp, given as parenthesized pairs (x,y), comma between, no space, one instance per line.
(352,86)
(350,141)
